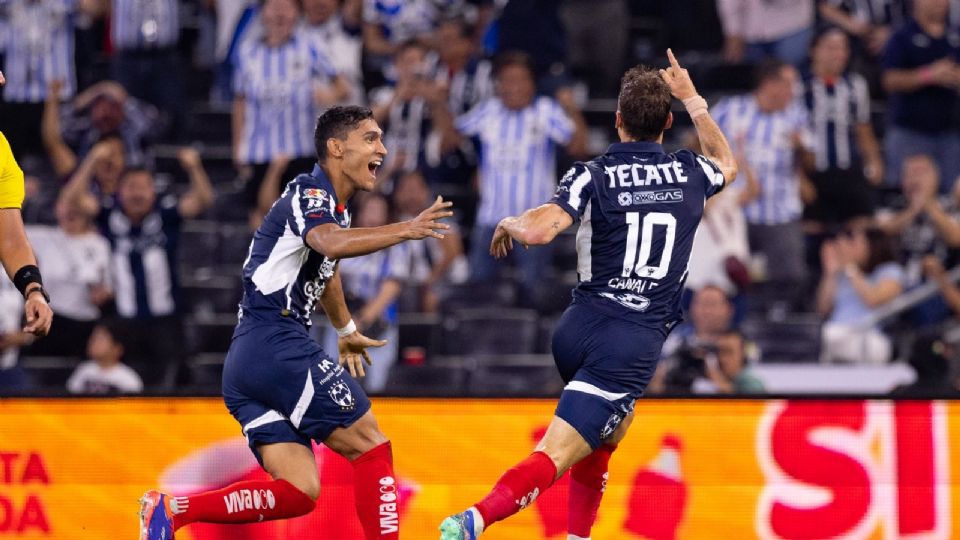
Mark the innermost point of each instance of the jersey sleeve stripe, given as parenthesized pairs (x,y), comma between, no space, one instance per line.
(297,211)
(712,171)
(576,189)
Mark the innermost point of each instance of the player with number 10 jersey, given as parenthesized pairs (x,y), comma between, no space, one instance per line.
(639,208)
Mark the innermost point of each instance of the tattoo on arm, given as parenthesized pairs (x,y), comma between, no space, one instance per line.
(556,225)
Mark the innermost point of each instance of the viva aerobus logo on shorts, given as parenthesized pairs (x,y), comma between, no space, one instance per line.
(389,517)
(249,499)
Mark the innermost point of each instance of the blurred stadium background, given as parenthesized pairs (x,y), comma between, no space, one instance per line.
(827,412)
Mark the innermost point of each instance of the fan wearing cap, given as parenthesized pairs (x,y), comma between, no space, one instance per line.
(16,256)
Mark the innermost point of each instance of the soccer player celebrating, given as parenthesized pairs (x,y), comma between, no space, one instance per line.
(277,382)
(16,256)
(638,209)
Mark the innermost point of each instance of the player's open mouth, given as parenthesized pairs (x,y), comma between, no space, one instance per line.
(373,166)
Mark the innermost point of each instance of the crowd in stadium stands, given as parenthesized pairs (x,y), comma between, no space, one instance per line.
(156,135)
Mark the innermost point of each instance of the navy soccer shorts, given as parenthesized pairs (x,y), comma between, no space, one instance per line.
(282,387)
(606,364)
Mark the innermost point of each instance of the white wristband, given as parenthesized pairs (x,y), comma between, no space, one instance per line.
(350,328)
(696,106)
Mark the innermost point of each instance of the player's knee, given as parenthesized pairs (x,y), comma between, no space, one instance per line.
(358,439)
(309,485)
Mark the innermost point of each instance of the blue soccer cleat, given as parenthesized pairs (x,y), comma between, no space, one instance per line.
(156,519)
(462,526)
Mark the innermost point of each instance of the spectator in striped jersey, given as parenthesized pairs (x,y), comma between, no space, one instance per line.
(869,22)
(143,230)
(145,35)
(847,160)
(467,79)
(371,284)
(519,133)
(402,109)
(777,143)
(104,110)
(281,80)
(435,263)
(39,50)
(336,29)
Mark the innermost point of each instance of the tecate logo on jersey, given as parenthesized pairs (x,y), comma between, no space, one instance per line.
(650,197)
(632,301)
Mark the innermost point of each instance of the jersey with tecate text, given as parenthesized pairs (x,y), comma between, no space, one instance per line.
(283,277)
(639,209)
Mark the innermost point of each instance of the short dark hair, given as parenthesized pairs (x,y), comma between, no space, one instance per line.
(881,247)
(114,328)
(130,171)
(644,103)
(464,28)
(336,123)
(513,58)
(768,69)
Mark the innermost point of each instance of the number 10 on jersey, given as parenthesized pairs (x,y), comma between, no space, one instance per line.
(641,232)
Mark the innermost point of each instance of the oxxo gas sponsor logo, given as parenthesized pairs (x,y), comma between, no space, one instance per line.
(249,499)
(389,518)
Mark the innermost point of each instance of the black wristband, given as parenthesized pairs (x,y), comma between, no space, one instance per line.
(25,276)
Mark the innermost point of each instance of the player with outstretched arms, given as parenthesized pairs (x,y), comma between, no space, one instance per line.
(638,209)
(278,383)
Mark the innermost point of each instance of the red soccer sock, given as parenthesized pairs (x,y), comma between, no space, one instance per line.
(375,491)
(243,502)
(517,488)
(588,481)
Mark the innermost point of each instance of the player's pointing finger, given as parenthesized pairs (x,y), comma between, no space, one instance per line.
(673,59)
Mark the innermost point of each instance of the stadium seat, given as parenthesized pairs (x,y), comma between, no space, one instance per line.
(515,381)
(209,333)
(415,381)
(49,371)
(198,244)
(420,330)
(234,243)
(492,331)
(212,290)
(795,339)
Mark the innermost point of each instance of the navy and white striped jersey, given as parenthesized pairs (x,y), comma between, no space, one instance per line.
(364,276)
(891,13)
(517,154)
(39,48)
(283,277)
(402,20)
(467,87)
(277,84)
(836,110)
(144,255)
(768,141)
(639,209)
(145,24)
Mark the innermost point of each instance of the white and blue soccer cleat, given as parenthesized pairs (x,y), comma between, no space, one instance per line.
(156,519)
(463,526)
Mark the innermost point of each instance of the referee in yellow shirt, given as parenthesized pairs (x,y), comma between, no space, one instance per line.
(16,256)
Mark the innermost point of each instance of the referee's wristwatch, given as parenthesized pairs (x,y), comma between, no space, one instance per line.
(41,290)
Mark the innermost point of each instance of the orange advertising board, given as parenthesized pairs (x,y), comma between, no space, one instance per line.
(689,469)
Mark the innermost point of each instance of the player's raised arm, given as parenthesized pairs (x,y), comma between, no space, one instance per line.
(535,227)
(714,144)
(338,243)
